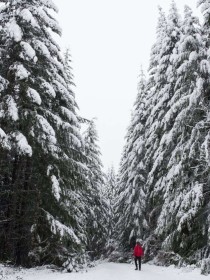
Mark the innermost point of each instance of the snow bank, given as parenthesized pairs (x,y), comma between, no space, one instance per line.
(105,271)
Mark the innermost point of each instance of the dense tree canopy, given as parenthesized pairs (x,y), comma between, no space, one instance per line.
(175,135)
(57,205)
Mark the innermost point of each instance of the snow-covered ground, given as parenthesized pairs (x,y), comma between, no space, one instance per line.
(105,271)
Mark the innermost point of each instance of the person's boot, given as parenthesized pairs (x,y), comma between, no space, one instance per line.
(136,268)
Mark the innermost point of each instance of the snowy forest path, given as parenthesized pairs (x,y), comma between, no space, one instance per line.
(113,271)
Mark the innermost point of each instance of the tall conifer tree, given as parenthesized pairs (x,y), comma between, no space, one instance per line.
(132,176)
(109,194)
(95,203)
(41,159)
(158,149)
(183,196)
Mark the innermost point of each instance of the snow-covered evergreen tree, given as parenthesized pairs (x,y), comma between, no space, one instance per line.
(41,161)
(204,124)
(109,194)
(183,197)
(95,203)
(157,147)
(172,144)
(131,204)
(161,30)
(67,67)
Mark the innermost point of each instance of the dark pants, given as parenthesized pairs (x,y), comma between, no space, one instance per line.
(138,261)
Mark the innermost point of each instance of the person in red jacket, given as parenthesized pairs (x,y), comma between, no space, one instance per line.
(138,253)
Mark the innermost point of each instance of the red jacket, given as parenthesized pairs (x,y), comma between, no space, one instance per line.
(138,251)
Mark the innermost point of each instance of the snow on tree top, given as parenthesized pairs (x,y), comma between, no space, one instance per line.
(22,144)
(55,187)
(20,71)
(28,53)
(71,117)
(12,110)
(49,4)
(4,139)
(49,21)
(34,96)
(14,30)
(48,131)
(193,56)
(42,48)
(28,17)
(48,89)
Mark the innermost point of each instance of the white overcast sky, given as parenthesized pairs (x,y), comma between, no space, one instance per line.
(109,40)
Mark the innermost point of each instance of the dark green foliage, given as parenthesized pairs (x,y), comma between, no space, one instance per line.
(43,175)
(173,146)
(132,196)
(96,207)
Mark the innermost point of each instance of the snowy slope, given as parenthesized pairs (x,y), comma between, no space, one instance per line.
(106,271)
